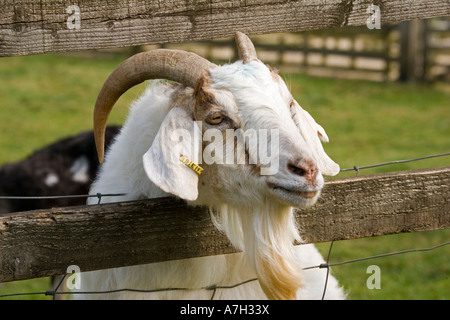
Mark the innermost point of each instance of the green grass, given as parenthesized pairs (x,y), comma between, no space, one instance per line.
(416,275)
(45,97)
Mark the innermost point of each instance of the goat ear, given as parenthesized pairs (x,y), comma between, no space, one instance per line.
(321,133)
(313,133)
(162,162)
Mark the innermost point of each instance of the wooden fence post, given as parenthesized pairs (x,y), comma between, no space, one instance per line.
(412,50)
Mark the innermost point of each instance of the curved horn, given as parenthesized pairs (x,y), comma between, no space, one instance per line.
(245,47)
(176,65)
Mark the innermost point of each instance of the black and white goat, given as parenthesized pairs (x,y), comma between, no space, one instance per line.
(65,167)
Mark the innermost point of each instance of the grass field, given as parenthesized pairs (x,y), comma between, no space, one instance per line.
(46,97)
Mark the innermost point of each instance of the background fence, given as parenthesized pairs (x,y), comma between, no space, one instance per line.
(404,202)
(409,50)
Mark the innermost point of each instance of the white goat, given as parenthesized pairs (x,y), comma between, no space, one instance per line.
(253,210)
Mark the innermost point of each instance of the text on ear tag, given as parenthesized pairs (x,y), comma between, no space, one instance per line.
(197,169)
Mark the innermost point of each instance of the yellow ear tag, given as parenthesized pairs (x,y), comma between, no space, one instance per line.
(197,169)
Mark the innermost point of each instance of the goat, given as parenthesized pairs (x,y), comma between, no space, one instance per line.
(65,167)
(253,207)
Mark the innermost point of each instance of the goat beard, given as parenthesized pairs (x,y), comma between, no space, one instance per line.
(267,238)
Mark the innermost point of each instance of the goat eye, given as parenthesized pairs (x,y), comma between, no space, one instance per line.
(214,119)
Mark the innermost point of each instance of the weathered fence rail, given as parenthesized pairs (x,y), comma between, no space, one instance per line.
(32,27)
(45,242)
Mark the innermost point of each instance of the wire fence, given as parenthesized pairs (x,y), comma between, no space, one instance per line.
(357,168)
(213,288)
(100,195)
(57,292)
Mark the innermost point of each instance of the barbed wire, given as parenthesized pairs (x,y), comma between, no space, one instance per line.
(357,168)
(71,196)
(62,196)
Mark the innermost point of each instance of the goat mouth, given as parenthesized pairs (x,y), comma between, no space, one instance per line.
(294,192)
(304,194)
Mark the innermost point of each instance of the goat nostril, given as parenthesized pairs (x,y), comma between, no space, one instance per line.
(296,170)
(303,169)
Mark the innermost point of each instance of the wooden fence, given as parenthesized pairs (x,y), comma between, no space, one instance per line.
(405,51)
(30,27)
(436,56)
(44,242)
(348,52)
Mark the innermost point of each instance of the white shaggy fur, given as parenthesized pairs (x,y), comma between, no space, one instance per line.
(256,220)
